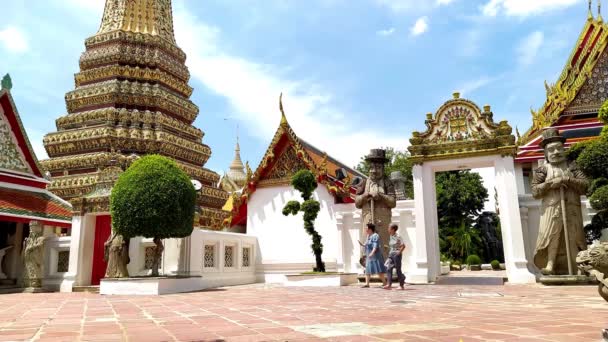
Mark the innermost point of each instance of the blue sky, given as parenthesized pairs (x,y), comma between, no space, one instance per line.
(356,74)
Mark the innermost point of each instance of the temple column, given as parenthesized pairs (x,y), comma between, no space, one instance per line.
(81,253)
(13,262)
(426,247)
(511,226)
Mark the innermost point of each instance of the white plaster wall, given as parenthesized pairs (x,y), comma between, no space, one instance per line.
(282,239)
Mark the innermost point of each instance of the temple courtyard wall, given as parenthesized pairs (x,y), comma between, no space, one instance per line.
(275,245)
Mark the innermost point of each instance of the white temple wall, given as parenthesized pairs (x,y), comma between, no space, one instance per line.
(283,243)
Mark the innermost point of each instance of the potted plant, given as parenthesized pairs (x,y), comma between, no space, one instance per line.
(445,265)
(495,265)
(474,262)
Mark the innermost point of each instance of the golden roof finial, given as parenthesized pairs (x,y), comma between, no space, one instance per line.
(599,10)
(590,16)
(283,117)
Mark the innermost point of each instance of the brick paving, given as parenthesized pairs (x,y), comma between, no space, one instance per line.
(273,313)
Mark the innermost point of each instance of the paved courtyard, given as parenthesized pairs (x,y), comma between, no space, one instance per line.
(272,313)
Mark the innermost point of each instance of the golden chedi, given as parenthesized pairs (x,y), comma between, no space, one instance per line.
(131,98)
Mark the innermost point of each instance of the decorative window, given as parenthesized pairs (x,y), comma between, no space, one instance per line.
(228,256)
(149,257)
(209,256)
(63,261)
(246,256)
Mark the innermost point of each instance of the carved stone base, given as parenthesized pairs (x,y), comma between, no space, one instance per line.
(567,280)
(32,283)
(34,290)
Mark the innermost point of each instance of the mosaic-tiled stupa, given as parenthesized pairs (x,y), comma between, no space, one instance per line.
(131,98)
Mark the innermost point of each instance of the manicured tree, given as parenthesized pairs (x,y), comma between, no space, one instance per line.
(155,199)
(305,182)
(592,158)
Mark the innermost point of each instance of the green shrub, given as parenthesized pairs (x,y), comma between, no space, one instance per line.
(153,198)
(599,198)
(593,160)
(473,260)
(495,264)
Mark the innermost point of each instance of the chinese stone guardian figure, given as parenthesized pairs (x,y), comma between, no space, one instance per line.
(559,184)
(33,251)
(376,197)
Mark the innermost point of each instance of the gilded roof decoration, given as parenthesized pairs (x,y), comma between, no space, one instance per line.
(10,155)
(131,98)
(460,128)
(587,51)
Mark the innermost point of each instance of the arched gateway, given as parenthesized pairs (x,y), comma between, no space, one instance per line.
(462,136)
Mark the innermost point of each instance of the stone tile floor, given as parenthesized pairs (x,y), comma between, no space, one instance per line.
(272,313)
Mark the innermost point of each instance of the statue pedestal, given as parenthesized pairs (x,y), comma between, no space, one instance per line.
(2,254)
(567,280)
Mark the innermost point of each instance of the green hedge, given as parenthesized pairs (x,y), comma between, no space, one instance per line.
(153,198)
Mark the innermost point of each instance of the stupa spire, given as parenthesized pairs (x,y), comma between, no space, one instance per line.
(152,17)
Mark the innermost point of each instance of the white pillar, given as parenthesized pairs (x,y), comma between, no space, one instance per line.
(510,221)
(519,177)
(184,256)
(81,253)
(426,266)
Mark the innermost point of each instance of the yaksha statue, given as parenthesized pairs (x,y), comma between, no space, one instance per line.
(559,184)
(33,251)
(376,197)
(594,261)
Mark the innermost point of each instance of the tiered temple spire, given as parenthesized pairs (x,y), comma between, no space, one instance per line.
(131,97)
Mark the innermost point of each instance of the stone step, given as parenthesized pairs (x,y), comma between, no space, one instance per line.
(473,280)
(89,289)
(375,279)
(6,289)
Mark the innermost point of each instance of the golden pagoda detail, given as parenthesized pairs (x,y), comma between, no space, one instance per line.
(131,98)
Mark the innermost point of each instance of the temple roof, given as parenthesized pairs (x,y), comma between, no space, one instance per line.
(286,154)
(573,102)
(16,151)
(564,97)
(23,194)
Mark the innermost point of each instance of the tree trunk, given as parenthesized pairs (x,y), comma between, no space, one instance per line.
(320,264)
(116,254)
(158,253)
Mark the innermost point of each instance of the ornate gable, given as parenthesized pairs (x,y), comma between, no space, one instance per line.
(286,165)
(11,157)
(16,153)
(461,129)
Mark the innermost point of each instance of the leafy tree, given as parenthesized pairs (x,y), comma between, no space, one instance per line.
(592,158)
(463,240)
(153,198)
(305,182)
(398,161)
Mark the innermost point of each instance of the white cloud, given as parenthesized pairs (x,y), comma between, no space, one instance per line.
(252,89)
(472,85)
(522,8)
(528,48)
(13,40)
(403,5)
(386,32)
(444,2)
(420,26)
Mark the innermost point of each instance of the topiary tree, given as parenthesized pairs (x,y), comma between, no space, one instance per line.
(155,199)
(592,158)
(305,182)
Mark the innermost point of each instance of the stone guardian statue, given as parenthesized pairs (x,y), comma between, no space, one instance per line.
(376,197)
(33,253)
(559,184)
(116,254)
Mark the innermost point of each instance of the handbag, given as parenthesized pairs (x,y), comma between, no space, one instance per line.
(388,263)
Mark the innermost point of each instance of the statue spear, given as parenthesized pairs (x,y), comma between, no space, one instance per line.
(565,223)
